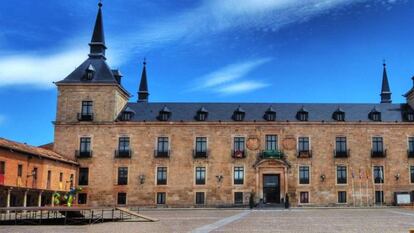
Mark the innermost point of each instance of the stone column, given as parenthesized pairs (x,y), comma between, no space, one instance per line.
(25,199)
(39,200)
(53,200)
(8,199)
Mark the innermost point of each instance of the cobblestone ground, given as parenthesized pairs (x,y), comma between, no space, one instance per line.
(296,220)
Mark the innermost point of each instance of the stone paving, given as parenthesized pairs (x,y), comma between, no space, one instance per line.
(390,220)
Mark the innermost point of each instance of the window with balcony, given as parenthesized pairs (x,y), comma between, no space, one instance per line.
(162,147)
(377,147)
(61,177)
(238,147)
(83,176)
(271,142)
(341,175)
(378,174)
(122,175)
(409,116)
(304,197)
(200,175)
(304,175)
(238,175)
(201,147)
(238,198)
(86,113)
(303,147)
(123,148)
(161,198)
(84,148)
(20,170)
(200,198)
(82,198)
(161,176)
(341,197)
(122,198)
(341,149)
(412,174)
(411,147)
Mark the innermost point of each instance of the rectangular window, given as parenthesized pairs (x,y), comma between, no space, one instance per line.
(341,175)
(123,144)
(85,145)
(87,108)
(238,175)
(271,142)
(122,198)
(71,180)
(200,175)
(162,144)
(49,179)
(303,175)
(20,170)
(201,145)
(303,144)
(82,198)
(238,198)
(61,177)
(341,144)
(341,197)
(377,145)
(200,198)
(34,173)
(161,176)
(379,197)
(412,174)
(83,176)
(411,144)
(239,144)
(122,175)
(378,174)
(2,168)
(161,198)
(304,197)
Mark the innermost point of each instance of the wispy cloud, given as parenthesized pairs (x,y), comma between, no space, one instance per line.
(226,80)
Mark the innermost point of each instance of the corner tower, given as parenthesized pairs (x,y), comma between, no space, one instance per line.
(92,92)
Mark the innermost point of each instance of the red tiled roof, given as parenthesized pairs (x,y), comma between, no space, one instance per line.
(42,152)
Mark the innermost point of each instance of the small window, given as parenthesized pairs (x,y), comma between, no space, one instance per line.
(61,177)
(375,115)
(304,175)
(164,114)
(20,170)
(87,108)
(89,72)
(123,144)
(35,173)
(378,174)
(304,197)
(271,142)
(126,116)
(339,115)
(49,179)
(2,168)
(122,198)
(341,197)
(83,176)
(84,147)
(82,198)
(303,144)
(377,145)
(412,174)
(200,198)
(341,175)
(200,175)
(122,175)
(239,114)
(161,176)
(161,197)
(201,114)
(409,116)
(162,144)
(379,197)
(341,144)
(302,115)
(238,198)
(201,145)
(238,175)
(270,114)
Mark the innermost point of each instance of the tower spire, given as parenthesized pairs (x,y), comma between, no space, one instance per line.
(143,86)
(385,89)
(97,45)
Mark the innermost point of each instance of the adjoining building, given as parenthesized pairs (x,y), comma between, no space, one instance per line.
(219,154)
(30,175)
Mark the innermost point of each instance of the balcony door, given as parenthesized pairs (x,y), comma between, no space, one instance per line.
(271,188)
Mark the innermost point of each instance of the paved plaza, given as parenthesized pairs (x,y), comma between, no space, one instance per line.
(391,220)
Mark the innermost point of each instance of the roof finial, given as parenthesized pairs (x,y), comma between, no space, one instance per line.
(384,63)
(145,61)
(100,3)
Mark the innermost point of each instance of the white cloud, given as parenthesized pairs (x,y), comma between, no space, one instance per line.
(227,79)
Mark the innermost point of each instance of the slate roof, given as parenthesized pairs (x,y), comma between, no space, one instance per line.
(32,150)
(255,111)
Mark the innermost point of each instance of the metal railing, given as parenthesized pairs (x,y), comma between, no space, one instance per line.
(83,154)
(162,153)
(123,153)
(379,153)
(85,116)
(342,153)
(304,154)
(238,154)
(200,154)
(274,154)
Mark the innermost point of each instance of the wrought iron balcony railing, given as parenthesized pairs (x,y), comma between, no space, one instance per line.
(83,154)
(200,154)
(342,153)
(238,154)
(304,154)
(272,154)
(162,153)
(123,153)
(410,153)
(379,153)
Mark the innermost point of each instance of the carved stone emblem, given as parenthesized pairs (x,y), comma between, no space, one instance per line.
(289,143)
(253,143)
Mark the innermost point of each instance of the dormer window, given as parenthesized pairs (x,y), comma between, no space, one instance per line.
(90,72)
(409,116)
(201,114)
(302,114)
(165,114)
(270,114)
(339,115)
(239,114)
(375,115)
(127,114)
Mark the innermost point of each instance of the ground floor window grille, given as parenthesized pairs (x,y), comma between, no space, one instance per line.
(161,198)
(200,198)
(379,197)
(341,197)
(238,198)
(122,198)
(304,197)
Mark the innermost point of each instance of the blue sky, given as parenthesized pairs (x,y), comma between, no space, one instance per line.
(205,50)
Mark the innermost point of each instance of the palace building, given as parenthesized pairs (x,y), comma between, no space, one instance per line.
(219,154)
